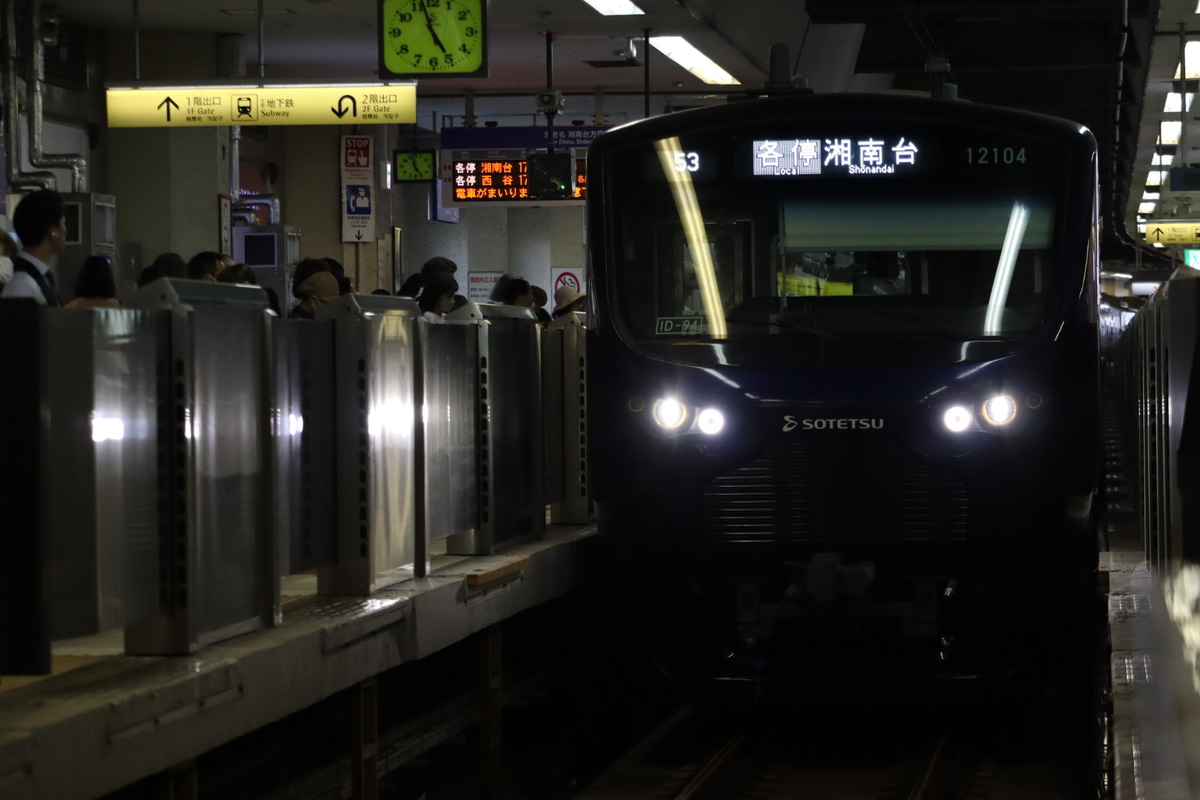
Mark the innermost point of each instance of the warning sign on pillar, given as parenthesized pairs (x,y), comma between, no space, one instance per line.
(358,189)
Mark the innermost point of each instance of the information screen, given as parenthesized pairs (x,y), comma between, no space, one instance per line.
(495,180)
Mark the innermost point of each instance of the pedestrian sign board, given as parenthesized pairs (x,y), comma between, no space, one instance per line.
(358,189)
(1191,258)
(1161,231)
(260,104)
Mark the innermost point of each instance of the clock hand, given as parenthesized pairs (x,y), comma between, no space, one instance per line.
(432,32)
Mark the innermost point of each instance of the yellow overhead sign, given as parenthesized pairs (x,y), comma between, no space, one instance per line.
(1173,231)
(201,106)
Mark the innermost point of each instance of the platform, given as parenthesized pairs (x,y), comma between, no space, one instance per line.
(107,720)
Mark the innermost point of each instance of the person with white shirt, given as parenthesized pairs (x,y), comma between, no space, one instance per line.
(41,224)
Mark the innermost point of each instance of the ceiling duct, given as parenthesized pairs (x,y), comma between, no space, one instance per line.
(41,29)
(17,178)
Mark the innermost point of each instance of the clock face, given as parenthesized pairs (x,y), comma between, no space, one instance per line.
(433,37)
(414,165)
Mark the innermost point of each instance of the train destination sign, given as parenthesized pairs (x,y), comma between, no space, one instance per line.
(1162,231)
(162,106)
(849,156)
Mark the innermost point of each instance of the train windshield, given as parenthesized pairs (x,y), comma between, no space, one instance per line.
(839,229)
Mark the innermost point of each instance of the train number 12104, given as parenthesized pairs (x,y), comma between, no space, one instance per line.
(995,155)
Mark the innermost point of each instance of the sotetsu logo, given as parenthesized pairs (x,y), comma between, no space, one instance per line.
(790,423)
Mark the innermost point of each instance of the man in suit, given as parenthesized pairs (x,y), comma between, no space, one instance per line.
(41,224)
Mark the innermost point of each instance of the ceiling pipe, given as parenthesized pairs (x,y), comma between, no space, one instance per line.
(243,206)
(137,42)
(550,108)
(1183,89)
(646,71)
(37,157)
(12,116)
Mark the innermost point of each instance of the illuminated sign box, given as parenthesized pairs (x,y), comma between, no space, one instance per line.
(1164,231)
(498,181)
(191,106)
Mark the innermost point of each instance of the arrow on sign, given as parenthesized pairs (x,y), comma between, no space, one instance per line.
(1158,232)
(358,235)
(169,103)
(341,109)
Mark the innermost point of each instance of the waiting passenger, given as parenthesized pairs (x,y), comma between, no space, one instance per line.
(313,285)
(204,266)
(149,275)
(517,292)
(539,305)
(339,272)
(438,264)
(41,223)
(413,284)
(437,296)
(567,300)
(239,273)
(305,270)
(497,293)
(95,286)
(164,265)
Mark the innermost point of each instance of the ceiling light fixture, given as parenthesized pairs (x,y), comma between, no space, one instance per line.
(687,56)
(1171,104)
(615,8)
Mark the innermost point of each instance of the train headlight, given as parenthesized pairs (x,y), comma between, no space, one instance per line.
(710,421)
(1000,410)
(669,413)
(957,419)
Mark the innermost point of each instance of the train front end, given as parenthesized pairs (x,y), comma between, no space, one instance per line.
(843,382)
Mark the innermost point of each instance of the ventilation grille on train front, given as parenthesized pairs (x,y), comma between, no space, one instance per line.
(836,488)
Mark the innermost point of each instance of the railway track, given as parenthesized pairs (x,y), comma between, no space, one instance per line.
(971,752)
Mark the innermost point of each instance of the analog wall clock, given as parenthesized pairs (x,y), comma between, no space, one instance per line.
(430,38)
(414,166)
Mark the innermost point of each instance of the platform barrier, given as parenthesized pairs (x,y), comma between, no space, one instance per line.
(217,550)
(79,491)
(508,390)
(452,445)
(564,415)
(1153,591)
(180,456)
(305,473)
(376,394)
(1156,359)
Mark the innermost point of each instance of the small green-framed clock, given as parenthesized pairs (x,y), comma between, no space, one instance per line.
(414,166)
(430,38)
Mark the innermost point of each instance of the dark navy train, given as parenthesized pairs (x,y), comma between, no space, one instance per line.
(843,352)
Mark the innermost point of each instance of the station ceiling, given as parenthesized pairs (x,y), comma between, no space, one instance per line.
(1108,64)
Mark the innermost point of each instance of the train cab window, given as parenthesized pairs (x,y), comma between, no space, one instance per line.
(938,254)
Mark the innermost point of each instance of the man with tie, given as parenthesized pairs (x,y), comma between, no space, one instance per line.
(41,224)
